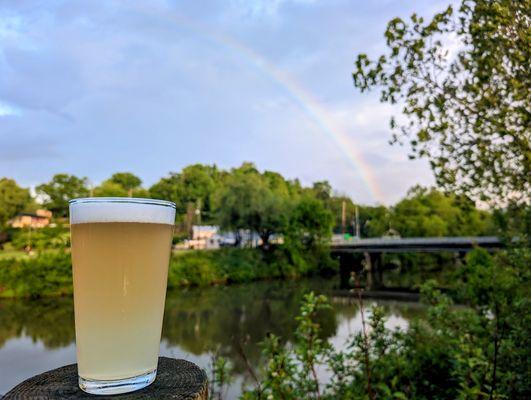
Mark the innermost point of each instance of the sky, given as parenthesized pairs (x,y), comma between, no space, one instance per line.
(95,87)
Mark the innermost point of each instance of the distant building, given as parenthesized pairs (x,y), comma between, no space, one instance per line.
(203,237)
(39,219)
(200,232)
(206,237)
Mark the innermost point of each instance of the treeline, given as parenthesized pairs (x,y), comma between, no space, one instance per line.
(264,202)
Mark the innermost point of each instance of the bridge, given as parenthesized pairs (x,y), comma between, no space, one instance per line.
(456,244)
(366,254)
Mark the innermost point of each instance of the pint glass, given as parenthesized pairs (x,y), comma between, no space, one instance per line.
(120,254)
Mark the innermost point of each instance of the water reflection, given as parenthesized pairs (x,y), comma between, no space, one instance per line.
(231,319)
(37,335)
(50,321)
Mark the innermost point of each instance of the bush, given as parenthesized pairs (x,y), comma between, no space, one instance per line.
(47,238)
(49,272)
(46,274)
(476,352)
(196,268)
(231,265)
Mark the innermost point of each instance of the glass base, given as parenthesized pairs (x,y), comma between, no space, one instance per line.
(117,386)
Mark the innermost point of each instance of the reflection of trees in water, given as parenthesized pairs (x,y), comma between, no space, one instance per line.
(410,270)
(48,320)
(348,307)
(199,320)
(225,318)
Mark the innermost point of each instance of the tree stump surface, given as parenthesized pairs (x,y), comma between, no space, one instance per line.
(176,380)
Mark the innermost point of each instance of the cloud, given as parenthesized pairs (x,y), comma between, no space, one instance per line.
(7,110)
(92,88)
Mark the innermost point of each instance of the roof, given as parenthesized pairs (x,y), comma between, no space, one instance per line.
(26,214)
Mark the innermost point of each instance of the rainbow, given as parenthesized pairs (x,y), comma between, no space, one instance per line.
(305,100)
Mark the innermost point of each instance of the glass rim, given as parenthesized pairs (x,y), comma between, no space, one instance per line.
(130,200)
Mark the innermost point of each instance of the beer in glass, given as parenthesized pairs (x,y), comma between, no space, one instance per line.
(120,255)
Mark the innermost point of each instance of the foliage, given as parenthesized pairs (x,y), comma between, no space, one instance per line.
(423,212)
(121,184)
(46,274)
(309,222)
(126,180)
(109,189)
(60,190)
(13,199)
(254,201)
(293,375)
(47,238)
(262,203)
(190,190)
(429,212)
(221,377)
(229,265)
(474,352)
(48,271)
(322,190)
(49,321)
(466,110)
(513,221)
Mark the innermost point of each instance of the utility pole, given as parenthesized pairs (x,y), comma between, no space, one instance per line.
(357,223)
(198,211)
(343,216)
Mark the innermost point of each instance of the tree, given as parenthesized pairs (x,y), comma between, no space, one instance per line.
(109,188)
(198,183)
(322,189)
(126,180)
(253,201)
(310,222)
(60,190)
(468,112)
(13,199)
(374,221)
(168,188)
(121,184)
(190,190)
(429,212)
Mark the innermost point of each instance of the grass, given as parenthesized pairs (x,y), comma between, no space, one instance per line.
(13,254)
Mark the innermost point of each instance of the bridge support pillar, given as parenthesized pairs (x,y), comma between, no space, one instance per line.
(348,263)
(374,270)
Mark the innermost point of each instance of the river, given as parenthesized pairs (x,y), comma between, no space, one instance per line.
(38,335)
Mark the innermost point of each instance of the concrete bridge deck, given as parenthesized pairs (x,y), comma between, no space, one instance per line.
(416,245)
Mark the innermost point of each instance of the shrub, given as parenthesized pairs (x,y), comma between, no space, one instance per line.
(48,273)
(476,352)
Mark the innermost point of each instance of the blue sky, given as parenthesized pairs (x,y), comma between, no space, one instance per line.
(95,87)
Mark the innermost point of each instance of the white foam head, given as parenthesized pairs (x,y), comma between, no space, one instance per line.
(121,209)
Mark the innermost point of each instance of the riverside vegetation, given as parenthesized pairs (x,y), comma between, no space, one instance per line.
(473,352)
(242,199)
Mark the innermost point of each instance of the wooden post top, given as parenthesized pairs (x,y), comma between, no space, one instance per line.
(176,380)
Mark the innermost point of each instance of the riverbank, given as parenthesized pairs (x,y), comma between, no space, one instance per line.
(49,273)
